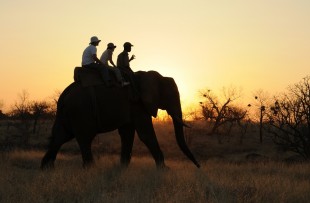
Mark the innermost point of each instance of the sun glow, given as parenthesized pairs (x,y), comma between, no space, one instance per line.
(252,44)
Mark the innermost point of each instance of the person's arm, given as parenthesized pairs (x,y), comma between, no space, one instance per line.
(96,59)
(132,58)
(110,59)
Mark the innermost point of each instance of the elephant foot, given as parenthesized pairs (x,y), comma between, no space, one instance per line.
(124,166)
(47,165)
(88,165)
(125,162)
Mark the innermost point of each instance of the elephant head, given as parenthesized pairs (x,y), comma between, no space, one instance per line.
(158,92)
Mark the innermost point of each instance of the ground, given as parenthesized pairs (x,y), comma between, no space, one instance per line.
(230,172)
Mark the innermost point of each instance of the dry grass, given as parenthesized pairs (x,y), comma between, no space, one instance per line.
(225,176)
(216,181)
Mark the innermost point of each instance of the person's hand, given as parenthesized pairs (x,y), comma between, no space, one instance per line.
(132,57)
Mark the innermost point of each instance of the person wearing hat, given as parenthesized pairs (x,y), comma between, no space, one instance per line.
(122,63)
(106,58)
(90,60)
(123,58)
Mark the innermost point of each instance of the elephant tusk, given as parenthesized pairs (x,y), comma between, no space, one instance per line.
(179,120)
(185,125)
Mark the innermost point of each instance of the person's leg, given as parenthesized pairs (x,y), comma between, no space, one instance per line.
(117,74)
(104,72)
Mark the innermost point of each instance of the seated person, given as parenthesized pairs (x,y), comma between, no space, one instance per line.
(90,60)
(123,64)
(106,58)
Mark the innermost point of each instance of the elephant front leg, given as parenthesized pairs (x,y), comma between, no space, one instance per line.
(146,133)
(127,134)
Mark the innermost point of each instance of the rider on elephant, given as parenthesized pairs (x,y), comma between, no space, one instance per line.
(123,64)
(91,61)
(106,58)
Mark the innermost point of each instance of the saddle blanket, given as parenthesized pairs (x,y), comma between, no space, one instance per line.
(87,77)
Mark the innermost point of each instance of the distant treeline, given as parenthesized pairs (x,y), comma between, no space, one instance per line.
(285,117)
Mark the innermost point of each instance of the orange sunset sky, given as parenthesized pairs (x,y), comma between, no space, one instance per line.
(252,44)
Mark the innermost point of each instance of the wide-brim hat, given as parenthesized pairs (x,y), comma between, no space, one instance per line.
(94,39)
(111,45)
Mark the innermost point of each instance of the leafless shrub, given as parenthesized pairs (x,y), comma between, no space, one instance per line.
(24,119)
(38,110)
(289,119)
(223,114)
(21,115)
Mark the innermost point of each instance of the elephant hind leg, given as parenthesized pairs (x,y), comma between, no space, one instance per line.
(50,156)
(59,137)
(127,134)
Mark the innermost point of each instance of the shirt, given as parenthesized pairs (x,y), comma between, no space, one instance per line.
(88,53)
(106,55)
(123,60)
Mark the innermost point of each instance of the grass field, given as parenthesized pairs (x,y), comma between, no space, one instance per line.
(228,174)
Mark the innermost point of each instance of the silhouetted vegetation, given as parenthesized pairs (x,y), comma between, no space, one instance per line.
(224,114)
(260,114)
(2,115)
(24,120)
(289,119)
(285,121)
(284,117)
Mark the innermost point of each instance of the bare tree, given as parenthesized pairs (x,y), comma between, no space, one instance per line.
(21,113)
(38,109)
(220,114)
(192,114)
(289,119)
(2,115)
(53,105)
(1,104)
(260,103)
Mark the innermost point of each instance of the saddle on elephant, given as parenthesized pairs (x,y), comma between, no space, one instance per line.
(87,77)
(147,86)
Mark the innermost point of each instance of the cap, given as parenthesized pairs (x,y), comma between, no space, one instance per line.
(111,45)
(127,44)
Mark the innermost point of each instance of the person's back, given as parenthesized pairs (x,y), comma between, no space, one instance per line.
(105,57)
(123,60)
(87,57)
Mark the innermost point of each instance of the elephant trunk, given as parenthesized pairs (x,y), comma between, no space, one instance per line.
(179,134)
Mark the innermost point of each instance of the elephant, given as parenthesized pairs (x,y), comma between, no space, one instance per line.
(80,117)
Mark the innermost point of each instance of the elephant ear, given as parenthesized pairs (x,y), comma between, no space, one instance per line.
(149,83)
